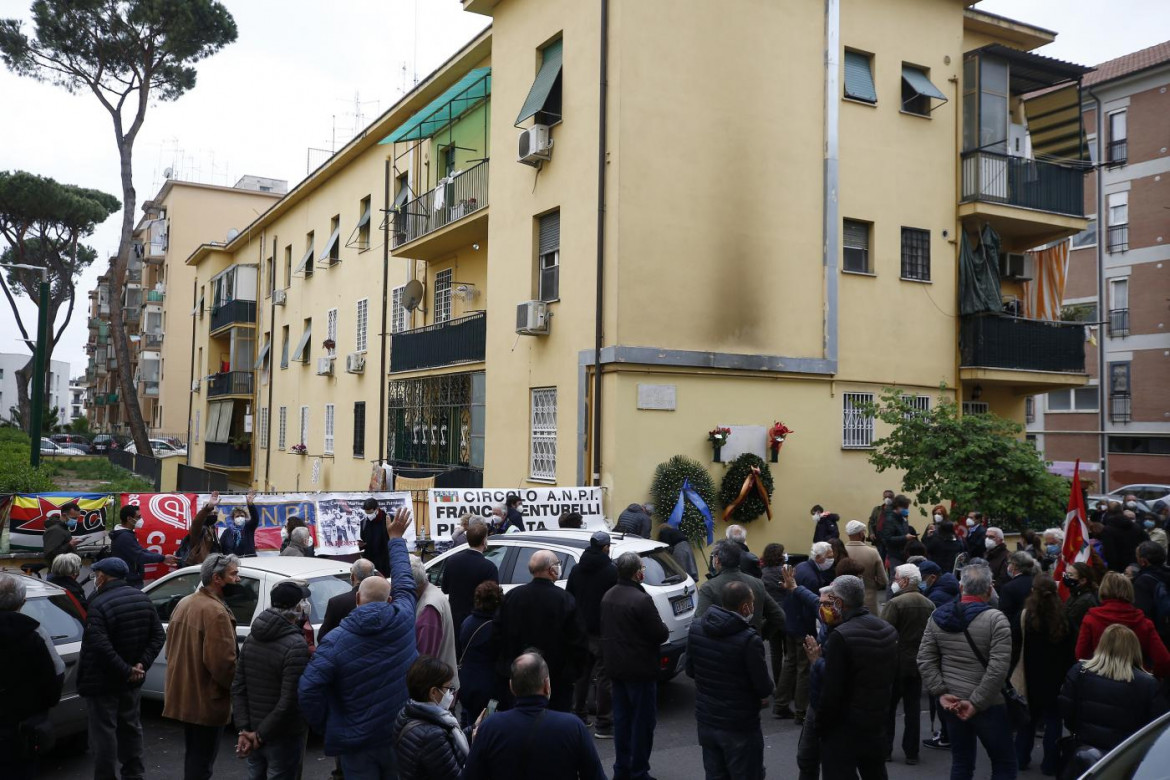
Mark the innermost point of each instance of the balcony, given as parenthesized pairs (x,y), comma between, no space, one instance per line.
(1030,355)
(227,456)
(451,215)
(448,343)
(235,312)
(1120,407)
(1118,153)
(230,383)
(152,340)
(1117,238)
(111,399)
(131,316)
(1118,322)
(154,296)
(150,389)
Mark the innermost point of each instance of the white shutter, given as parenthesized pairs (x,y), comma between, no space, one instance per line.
(328,429)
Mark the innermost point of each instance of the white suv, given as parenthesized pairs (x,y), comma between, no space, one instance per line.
(673,590)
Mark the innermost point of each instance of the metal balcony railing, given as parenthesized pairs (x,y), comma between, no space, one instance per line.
(1118,238)
(456,341)
(1119,322)
(453,200)
(230,383)
(1118,152)
(154,296)
(233,313)
(991,177)
(228,456)
(1000,341)
(153,339)
(1120,407)
(150,389)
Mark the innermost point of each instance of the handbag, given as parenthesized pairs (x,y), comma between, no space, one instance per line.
(1017,706)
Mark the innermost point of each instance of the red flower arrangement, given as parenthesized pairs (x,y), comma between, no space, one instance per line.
(718,436)
(776,435)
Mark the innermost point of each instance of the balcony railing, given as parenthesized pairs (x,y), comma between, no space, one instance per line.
(152,339)
(227,456)
(233,313)
(1118,238)
(1000,341)
(455,341)
(150,389)
(230,383)
(1118,152)
(1120,408)
(1119,322)
(1015,181)
(447,203)
(154,296)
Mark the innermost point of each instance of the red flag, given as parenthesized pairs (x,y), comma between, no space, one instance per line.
(1076,532)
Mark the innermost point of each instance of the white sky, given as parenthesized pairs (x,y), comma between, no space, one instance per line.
(314,59)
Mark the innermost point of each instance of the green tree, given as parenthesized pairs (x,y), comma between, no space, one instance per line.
(79,425)
(124,52)
(976,460)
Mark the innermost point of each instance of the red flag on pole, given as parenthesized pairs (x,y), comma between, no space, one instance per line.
(1076,532)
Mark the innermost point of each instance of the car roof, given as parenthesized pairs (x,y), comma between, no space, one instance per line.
(289,566)
(35,587)
(577,538)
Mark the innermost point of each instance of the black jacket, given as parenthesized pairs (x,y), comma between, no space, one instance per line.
(513,519)
(1012,595)
(336,610)
(997,559)
(589,580)
(861,662)
(123,629)
(634,520)
(124,544)
(74,587)
(631,633)
(1119,540)
(749,562)
(1145,586)
(1104,712)
(725,656)
(894,533)
(424,745)
(1077,606)
(541,615)
(373,533)
(1046,663)
(31,685)
(269,667)
(943,551)
(246,544)
(56,539)
(524,744)
(826,528)
(462,574)
(976,541)
(479,682)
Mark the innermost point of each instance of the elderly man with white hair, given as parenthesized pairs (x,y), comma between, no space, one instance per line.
(997,556)
(64,572)
(792,690)
(300,544)
(434,626)
(908,611)
(873,569)
(749,562)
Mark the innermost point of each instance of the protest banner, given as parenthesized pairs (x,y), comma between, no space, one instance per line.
(28,512)
(541,507)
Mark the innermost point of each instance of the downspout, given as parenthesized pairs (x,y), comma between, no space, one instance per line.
(385,282)
(1102,304)
(602,152)
(191,395)
(271,373)
(830,207)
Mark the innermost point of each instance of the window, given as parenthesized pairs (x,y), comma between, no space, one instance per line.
(168,595)
(918,90)
(916,254)
(1118,222)
(363,225)
(281,427)
(859,77)
(264,428)
(976,407)
(856,425)
(362,311)
(284,346)
(1140,445)
(544,97)
(549,256)
(288,268)
(448,161)
(1030,409)
(443,295)
(543,454)
(920,404)
(1087,237)
(304,349)
(332,252)
(856,247)
(197,426)
(270,270)
(329,429)
(1080,399)
(306,264)
(359,429)
(1119,307)
(397,310)
(1118,138)
(304,426)
(1120,401)
(331,331)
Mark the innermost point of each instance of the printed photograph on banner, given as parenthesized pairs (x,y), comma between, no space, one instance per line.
(29,513)
(341,519)
(541,507)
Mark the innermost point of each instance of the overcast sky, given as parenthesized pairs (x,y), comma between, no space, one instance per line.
(302,70)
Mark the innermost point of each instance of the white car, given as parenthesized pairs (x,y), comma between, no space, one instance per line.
(1147,493)
(673,590)
(50,447)
(161,448)
(326,578)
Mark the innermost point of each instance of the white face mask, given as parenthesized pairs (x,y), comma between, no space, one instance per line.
(239,521)
(139,523)
(304,608)
(938,518)
(887,501)
(825,565)
(895,588)
(970,522)
(989,543)
(283,534)
(816,515)
(1131,504)
(371,514)
(447,700)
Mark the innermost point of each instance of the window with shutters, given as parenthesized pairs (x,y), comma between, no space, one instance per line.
(331,332)
(359,429)
(543,454)
(363,307)
(856,247)
(281,427)
(916,254)
(284,347)
(397,310)
(549,257)
(859,84)
(264,428)
(443,295)
(856,425)
(328,429)
(304,426)
(288,268)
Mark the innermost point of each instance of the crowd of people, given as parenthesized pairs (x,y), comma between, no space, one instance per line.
(415,677)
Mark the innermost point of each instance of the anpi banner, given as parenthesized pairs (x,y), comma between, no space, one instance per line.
(541,507)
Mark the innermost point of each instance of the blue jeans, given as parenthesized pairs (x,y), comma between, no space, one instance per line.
(376,763)
(279,759)
(731,755)
(991,728)
(1026,736)
(635,714)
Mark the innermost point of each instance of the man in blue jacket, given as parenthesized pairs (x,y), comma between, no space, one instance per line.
(939,586)
(792,688)
(355,684)
(124,544)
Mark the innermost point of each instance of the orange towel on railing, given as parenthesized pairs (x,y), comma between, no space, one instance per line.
(1045,293)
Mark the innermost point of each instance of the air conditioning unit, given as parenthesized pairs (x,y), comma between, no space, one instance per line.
(532,318)
(195,386)
(355,362)
(1016,266)
(325,366)
(279,297)
(534,146)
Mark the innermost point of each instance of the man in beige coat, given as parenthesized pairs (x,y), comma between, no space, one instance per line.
(873,568)
(201,663)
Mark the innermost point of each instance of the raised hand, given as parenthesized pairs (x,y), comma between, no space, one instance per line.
(214,501)
(252,496)
(396,526)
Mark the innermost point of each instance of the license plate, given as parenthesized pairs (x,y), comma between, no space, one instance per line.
(682,604)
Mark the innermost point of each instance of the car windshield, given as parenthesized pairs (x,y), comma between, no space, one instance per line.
(321,589)
(662,568)
(57,615)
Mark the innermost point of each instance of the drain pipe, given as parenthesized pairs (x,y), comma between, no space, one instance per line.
(600,314)
(1102,304)
(271,373)
(381,412)
(831,206)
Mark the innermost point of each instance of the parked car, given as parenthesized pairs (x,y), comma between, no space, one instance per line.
(1145,754)
(673,590)
(74,440)
(161,448)
(50,447)
(104,442)
(326,578)
(1145,493)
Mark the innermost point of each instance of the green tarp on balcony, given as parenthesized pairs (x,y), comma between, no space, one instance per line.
(460,98)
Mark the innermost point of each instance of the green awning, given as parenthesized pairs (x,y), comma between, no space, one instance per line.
(546,77)
(919,82)
(859,78)
(463,96)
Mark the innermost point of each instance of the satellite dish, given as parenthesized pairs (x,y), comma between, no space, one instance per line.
(232,234)
(168,173)
(412,294)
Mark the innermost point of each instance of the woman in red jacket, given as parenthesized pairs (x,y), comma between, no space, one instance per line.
(1116,594)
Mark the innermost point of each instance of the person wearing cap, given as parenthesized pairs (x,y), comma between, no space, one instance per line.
(939,586)
(374,543)
(264,690)
(873,569)
(123,636)
(541,616)
(589,581)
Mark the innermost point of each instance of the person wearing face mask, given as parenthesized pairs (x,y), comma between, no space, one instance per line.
(908,611)
(264,702)
(58,538)
(428,739)
(1022,570)
(825,524)
(873,570)
(942,546)
(239,537)
(996,555)
(64,573)
(124,544)
(896,531)
(373,542)
(1081,585)
(800,622)
(876,520)
(976,539)
(1155,531)
(1120,537)
(1052,540)
(1147,596)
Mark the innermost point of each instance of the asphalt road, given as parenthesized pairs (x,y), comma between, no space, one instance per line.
(676,751)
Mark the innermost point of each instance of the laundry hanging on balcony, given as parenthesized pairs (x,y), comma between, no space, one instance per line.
(1042,295)
(979,273)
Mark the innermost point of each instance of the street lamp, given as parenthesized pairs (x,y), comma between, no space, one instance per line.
(38,388)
